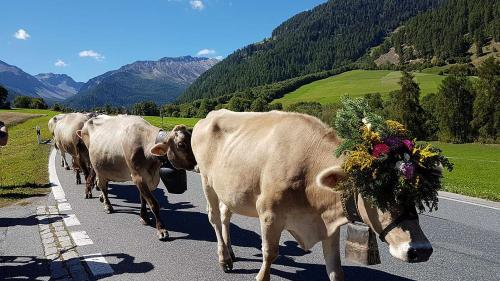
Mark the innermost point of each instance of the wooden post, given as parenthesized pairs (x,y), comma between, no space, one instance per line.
(38,137)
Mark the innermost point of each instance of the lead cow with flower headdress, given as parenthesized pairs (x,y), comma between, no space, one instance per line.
(282,168)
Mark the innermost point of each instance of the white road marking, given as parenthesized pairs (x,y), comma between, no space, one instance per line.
(98,264)
(470,203)
(71,220)
(81,238)
(56,185)
(64,207)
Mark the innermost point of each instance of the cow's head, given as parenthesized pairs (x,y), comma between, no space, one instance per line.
(4,136)
(177,146)
(400,230)
(53,121)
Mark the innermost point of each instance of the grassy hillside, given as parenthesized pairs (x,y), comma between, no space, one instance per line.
(476,169)
(357,83)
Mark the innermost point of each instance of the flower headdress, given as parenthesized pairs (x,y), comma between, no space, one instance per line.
(383,164)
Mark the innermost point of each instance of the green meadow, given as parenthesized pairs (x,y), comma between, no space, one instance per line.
(476,169)
(357,83)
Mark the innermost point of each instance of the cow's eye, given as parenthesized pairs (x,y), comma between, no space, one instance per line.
(182,145)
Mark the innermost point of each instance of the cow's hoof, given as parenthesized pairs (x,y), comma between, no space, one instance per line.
(67,168)
(162,234)
(88,196)
(101,198)
(108,209)
(78,182)
(144,221)
(227,266)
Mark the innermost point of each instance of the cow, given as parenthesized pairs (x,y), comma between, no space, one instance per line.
(52,125)
(4,135)
(281,168)
(64,129)
(124,148)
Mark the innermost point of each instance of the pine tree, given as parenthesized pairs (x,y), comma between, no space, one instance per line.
(454,109)
(486,114)
(404,106)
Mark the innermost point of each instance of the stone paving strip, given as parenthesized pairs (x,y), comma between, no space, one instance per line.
(65,262)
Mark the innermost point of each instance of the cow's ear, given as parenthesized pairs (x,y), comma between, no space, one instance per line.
(159,149)
(331,177)
(79,133)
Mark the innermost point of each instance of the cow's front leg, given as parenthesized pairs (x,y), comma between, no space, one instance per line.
(271,227)
(214,217)
(144,212)
(226,223)
(161,232)
(331,252)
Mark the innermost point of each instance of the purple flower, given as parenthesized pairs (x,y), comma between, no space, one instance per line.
(393,142)
(407,169)
(408,144)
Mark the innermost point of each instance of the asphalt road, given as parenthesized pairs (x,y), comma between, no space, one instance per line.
(465,237)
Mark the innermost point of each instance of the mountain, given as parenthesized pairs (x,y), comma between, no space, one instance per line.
(330,35)
(61,81)
(19,82)
(160,81)
(448,34)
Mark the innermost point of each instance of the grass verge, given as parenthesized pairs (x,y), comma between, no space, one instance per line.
(23,162)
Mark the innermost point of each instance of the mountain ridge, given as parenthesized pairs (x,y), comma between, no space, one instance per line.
(160,80)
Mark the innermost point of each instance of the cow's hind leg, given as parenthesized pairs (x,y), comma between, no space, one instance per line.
(214,217)
(271,227)
(64,162)
(331,252)
(89,184)
(226,223)
(103,185)
(78,176)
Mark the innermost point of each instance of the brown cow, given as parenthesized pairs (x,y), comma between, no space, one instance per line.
(124,148)
(281,168)
(4,135)
(64,127)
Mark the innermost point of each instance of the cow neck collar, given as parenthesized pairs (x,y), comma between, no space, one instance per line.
(350,207)
(161,135)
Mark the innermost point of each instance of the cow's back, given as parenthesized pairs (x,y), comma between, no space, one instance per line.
(270,156)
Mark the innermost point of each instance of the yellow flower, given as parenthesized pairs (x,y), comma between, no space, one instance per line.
(358,159)
(396,127)
(424,153)
(369,135)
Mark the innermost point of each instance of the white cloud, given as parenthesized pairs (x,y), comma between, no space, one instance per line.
(21,34)
(219,57)
(205,52)
(197,4)
(91,54)
(60,63)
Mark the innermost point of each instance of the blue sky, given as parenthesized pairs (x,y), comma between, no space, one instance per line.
(86,38)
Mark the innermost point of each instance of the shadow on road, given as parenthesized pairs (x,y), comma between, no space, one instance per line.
(23,268)
(176,216)
(28,221)
(126,264)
